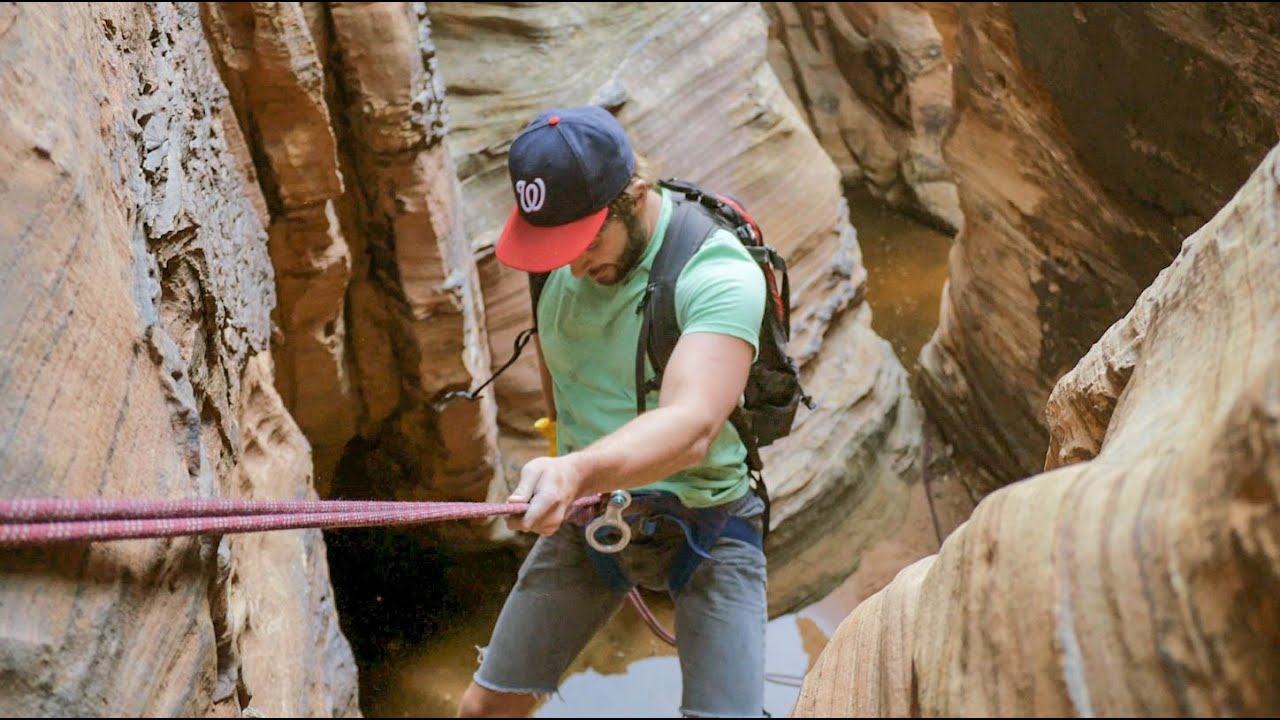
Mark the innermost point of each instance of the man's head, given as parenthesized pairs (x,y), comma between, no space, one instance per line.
(621,241)
(566,167)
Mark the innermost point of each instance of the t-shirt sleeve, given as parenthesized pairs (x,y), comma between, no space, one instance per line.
(721,290)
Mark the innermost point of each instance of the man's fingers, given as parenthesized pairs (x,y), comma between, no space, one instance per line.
(544,515)
(525,492)
(538,487)
(529,475)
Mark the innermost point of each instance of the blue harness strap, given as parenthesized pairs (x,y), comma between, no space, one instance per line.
(702,527)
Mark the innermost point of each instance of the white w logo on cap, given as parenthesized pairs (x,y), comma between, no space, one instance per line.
(531,195)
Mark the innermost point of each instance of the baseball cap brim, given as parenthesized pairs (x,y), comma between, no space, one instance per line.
(531,248)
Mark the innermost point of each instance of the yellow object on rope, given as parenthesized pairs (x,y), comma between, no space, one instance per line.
(547,427)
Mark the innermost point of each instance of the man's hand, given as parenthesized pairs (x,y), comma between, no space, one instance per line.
(549,485)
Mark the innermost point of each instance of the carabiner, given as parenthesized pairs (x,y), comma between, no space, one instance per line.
(619,500)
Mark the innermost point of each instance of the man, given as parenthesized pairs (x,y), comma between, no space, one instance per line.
(584,215)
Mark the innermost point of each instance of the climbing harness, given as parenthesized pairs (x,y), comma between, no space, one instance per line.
(614,529)
(702,529)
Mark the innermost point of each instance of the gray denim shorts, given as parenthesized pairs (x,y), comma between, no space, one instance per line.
(560,601)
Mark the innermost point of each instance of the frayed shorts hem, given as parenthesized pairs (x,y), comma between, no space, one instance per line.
(684,712)
(540,692)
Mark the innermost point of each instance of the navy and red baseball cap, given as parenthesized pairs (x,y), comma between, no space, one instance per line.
(566,167)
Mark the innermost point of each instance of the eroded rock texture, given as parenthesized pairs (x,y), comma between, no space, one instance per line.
(380,314)
(1089,140)
(875,84)
(137,290)
(692,85)
(274,70)
(1142,579)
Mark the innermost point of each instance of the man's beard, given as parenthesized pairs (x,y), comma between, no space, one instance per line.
(637,241)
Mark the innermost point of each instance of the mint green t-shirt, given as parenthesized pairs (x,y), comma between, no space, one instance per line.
(588,334)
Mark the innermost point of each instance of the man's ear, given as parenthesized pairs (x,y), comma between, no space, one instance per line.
(639,189)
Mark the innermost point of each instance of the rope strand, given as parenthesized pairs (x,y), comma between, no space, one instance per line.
(57,520)
(48,509)
(637,601)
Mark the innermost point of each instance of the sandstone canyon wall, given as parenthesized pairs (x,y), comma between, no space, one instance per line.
(1089,142)
(247,252)
(137,292)
(1139,575)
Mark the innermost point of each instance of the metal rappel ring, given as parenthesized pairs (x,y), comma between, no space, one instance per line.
(611,521)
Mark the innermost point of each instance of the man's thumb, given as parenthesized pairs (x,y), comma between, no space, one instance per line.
(524,489)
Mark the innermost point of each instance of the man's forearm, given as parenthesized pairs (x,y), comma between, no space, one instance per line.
(647,449)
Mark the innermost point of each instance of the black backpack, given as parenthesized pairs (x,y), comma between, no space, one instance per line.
(773,393)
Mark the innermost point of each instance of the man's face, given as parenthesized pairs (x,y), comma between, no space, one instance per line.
(617,249)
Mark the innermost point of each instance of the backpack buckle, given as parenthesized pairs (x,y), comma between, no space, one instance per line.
(688,189)
(766,255)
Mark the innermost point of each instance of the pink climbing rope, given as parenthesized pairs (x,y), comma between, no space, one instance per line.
(41,521)
(637,601)
(45,509)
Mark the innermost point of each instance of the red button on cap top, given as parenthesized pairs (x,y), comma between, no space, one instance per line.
(553,120)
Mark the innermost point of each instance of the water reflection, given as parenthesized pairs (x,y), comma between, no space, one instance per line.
(625,671)
(906,266)
(651,686)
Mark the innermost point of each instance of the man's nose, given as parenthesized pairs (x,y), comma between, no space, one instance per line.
(579,265)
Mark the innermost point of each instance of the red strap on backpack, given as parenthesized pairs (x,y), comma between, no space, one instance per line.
(756,237)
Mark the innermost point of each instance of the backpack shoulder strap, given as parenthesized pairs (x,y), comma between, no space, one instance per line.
(536,283)
(688,227)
